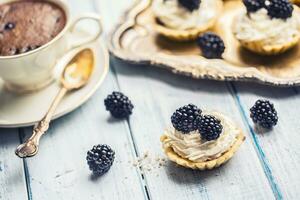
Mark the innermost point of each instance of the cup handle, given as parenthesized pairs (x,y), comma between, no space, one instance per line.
(87,16)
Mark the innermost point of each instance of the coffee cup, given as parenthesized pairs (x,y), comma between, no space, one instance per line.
(33,70)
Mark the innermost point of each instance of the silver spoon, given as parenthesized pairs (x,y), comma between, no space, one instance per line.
(76,74)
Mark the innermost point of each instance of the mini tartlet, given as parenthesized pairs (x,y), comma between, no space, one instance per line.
(268,29)
(295,1)
(177,22)
(198,150)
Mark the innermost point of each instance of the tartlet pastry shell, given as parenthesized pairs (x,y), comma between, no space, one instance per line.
(295,1)
(262,49)
(189,34)
(207,164)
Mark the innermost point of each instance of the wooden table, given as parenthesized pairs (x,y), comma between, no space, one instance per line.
(266,166)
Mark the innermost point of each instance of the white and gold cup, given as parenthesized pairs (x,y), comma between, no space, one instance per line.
(34,70)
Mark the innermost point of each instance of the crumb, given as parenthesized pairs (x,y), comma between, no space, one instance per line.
(146,154)
(135,163)
(148,162)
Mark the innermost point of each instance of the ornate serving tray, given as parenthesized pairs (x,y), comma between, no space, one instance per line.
(135,40)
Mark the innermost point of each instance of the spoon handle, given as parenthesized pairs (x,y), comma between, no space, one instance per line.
(30,147)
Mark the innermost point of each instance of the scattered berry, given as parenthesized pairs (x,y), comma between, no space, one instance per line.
(100,158)
(264,114)
(184,119)
(9,26)
(211,45)
(254,5)
(281,9)
(190,4)
(209,127)
(119,105)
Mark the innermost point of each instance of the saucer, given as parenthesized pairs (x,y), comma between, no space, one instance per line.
(20,110)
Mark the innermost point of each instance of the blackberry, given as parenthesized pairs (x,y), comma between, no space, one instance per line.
(211,45)
(119,105)
(190,4)
(209,127)
(264,114)
(184,119)
(281,9)
(254,5)
(100,158)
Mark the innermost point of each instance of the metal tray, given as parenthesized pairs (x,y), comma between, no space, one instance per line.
(135,40)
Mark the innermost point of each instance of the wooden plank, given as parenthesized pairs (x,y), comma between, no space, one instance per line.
(156,93)
(12,178)
(279,148)
(60,171)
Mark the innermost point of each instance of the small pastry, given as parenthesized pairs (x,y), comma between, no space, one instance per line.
(295,1)
(269,27)
(185,19)
(201,140)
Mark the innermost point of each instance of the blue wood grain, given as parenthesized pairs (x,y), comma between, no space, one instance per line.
(25,166)
(137,153)
(260,151)
(12,177)
(27,178)
(279,147)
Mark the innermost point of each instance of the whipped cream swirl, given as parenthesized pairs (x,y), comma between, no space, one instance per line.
(193,148)
(260,27)
(175,16)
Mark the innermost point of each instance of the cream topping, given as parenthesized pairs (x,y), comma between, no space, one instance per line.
(175,16)
(259,26)
(192,147)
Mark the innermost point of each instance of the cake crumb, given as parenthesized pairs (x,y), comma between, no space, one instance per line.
(148,162)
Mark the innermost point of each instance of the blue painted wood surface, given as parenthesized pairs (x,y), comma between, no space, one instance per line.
(266,166)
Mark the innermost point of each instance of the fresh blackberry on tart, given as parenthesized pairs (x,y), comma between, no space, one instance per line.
(254,5)
(184,118)
(209,127)
(281,9)
(191,5)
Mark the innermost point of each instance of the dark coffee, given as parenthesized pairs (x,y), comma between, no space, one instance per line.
(26,25)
